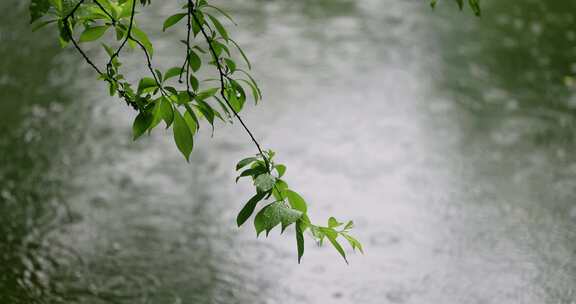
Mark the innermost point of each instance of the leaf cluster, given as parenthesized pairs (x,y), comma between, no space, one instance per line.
(284,206)
(175,96)
(474,5)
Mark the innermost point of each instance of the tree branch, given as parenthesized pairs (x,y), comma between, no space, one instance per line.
(223,88)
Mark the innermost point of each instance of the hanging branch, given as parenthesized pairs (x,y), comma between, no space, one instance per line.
(222,75)
(156,101)
(68,31)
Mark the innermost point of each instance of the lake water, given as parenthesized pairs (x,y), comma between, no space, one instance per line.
(447,138)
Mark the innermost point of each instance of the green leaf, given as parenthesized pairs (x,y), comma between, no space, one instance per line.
(58,6)
(206,94)
(264,182)
(192,116)
(238,91)
(300,239)
(110,9)
(40,25)
(219,47)
(333,223)
(197,26)
(253,82)
(166,111)
(191,120)
(38,8)
(317,234)
(252,172)
(224,107)
(279,190)
(222,12)
(108,49)
(194,61)
(141,124)
(460,3)
(159,75)
(274,214)
(243,163)
(248,209)
(93,33)
(206,111)
(143,38)
(230,64)
(338,247)
(475,5)
(281,169)
(194,83)
(219,27)
(170,21)
(255,92)
(242,53)
(182,135)
(349,225)
(156,113)
(173,72)
(296,201)
(234,101)
(173,93)
(353,242)
(147,84)
(331,235)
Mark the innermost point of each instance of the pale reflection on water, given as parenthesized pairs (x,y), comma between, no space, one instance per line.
(449,149)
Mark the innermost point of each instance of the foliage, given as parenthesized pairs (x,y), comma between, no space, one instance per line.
(474,5)
(179,99)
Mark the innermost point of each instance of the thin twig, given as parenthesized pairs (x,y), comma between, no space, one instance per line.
(117,53)
(66,24)
(150,67)
(188,50)
(223,88)
(105,12)
(148,57)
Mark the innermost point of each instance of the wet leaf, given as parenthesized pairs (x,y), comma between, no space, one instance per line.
(243,163)
(173,72)
(194,61)
(281,169)
(219,27)
(166,112)
(248,209)
(264,182)
(333,223)
(475,5)
(296,201)
(147,84)
(252,172)
(38,8)
(191,121)
(93,33)
(183,135)
(300,239)
(274,214)
(354,243)
(141,124)
(349,225)
(143,38)
(230,64)
(172,20)
(279,191)
(331,235)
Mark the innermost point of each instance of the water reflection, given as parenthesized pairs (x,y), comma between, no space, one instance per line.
(445,137)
